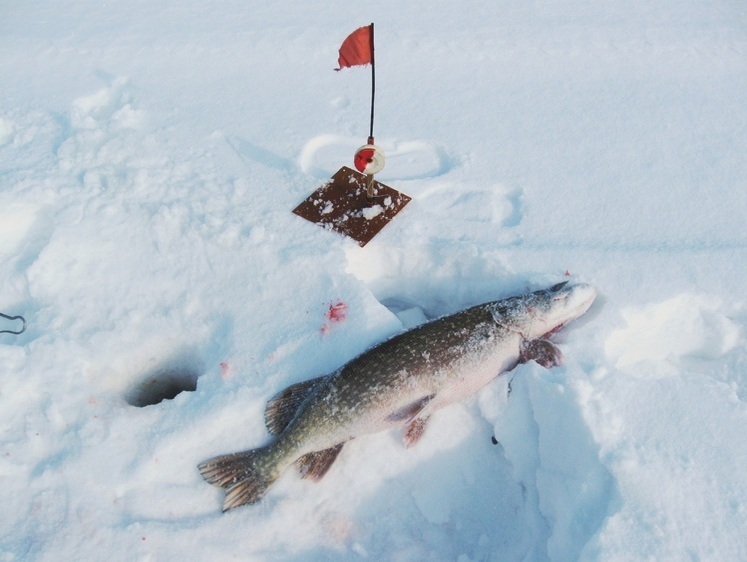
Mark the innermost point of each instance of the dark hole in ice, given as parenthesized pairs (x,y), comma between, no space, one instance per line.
(166,381)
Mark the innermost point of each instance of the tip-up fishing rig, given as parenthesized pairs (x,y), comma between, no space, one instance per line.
(352,202)
(15,332)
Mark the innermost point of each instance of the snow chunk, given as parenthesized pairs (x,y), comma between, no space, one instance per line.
(372,212)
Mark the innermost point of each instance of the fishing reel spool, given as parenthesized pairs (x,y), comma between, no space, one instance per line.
(369,159)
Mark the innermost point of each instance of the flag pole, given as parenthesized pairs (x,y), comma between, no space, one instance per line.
(373,86)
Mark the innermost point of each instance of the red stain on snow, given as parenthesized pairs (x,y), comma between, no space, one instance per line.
(225,370)
(336,314)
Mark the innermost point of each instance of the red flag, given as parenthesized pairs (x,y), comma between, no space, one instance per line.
(357,49)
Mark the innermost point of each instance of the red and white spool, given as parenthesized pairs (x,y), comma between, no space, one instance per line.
(369,159)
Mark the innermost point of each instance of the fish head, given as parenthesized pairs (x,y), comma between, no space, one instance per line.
(542,313)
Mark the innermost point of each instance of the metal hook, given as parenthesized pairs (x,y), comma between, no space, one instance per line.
(21,318)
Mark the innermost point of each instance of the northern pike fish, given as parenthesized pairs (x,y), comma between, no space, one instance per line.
(398,383)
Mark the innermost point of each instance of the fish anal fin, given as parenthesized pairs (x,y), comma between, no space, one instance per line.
(414,431)
(315,465)
(410,411)
(281,408)
(543,352)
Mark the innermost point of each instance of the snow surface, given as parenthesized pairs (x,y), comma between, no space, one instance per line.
(150,156)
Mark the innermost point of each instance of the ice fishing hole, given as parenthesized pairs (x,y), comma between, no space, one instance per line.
(166,381)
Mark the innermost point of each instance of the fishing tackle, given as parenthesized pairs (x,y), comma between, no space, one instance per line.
(23,326)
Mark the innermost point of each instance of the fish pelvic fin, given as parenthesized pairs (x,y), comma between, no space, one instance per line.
(543,352)
(283,407)
(415,431)
(315,465)
(243,477)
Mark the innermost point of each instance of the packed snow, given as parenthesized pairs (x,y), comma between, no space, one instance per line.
(150,156)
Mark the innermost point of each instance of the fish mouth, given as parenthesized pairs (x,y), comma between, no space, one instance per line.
(575,300)
(555,330)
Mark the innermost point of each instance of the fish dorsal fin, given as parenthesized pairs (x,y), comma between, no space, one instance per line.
(315,465)
(408,412)
(282,408)
(543,352)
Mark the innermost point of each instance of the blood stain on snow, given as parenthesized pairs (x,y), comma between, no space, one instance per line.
(225,370)
(336,314)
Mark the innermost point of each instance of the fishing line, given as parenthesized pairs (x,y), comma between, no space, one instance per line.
(21,318)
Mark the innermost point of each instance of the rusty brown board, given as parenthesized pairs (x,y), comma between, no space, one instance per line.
(343,205)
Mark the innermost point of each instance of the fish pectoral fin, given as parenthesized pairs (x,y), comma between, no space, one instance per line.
(410,411)
(543,352)
(415,431)
(315,465)
(282,408)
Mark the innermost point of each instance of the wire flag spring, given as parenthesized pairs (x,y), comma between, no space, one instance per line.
(23,326)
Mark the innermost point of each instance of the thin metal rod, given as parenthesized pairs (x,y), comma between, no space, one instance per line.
(373,86)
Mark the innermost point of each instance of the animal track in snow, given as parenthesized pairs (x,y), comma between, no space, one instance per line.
(661,335)
(322,156)
(103,136)
(109,106)
(493,205)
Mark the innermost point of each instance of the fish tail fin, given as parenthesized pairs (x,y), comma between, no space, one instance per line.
(243,476)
